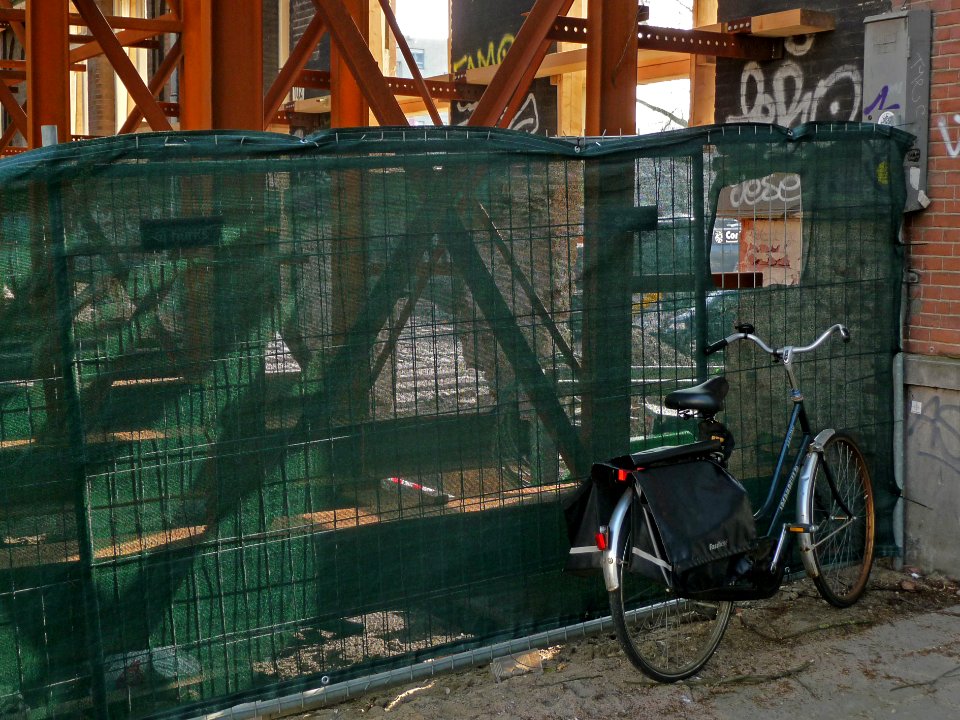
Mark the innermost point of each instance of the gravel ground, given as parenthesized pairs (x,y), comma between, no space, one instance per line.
(777,656)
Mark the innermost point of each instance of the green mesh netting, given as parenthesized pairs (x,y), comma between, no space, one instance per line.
(272,409)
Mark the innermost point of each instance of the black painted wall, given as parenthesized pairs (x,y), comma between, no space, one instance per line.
(819,78)
(482,33)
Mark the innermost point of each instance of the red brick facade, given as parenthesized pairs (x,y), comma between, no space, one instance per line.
(934,234)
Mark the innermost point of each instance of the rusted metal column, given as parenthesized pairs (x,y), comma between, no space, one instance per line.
(196,82)
(608,243)
(237,62)
(612,68)
(348,108)
(48,80)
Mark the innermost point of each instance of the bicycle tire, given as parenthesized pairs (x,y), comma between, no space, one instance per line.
(842,548)
(665,637)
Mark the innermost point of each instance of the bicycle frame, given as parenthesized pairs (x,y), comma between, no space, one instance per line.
(804,467)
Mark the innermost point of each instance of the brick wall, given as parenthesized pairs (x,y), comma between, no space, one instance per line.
(934,234)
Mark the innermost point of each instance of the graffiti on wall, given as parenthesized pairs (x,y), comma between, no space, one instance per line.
(492,54)
(526,120)
(528,117)
(946,132)
(933,430)
(787,95)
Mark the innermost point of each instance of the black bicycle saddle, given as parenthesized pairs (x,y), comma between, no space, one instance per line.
(707,397)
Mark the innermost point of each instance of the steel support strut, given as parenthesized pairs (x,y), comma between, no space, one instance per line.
(528,50)
(48,82)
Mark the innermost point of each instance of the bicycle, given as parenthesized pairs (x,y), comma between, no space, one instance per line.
(671,637)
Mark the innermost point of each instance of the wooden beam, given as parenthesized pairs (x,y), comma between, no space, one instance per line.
(652,66)
(703,70)
(122,64)
(785,23)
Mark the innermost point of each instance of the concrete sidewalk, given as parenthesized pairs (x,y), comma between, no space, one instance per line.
(908,668)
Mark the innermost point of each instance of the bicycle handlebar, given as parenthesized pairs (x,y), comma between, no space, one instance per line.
(777,352)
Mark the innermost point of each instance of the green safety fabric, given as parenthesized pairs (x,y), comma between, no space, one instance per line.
(275,409)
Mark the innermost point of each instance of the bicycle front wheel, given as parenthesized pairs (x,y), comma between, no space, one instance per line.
(666,637)
(840,507)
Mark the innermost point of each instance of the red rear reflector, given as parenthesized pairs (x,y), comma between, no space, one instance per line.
(601,540)
(622,475)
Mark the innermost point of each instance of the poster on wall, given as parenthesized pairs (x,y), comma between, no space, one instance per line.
(483,32)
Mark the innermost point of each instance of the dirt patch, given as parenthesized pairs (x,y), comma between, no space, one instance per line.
(771,643)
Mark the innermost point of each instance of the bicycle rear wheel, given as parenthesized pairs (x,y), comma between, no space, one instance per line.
(842,546)
(666,637)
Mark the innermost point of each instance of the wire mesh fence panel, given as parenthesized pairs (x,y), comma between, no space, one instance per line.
(275,410)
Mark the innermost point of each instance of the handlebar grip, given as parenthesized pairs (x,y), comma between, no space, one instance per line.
(845,333)
(714,347)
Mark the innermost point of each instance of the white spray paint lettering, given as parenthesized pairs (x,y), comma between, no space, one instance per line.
(952,148)
(785,99)
(766,190)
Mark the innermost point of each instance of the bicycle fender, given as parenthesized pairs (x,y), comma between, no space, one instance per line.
(608,565)
(807,475)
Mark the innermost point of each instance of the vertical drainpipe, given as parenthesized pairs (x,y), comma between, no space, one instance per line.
(899,437)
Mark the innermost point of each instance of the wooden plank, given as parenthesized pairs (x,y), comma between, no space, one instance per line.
(652,66)
(36,550)
(342,518)
(785,23)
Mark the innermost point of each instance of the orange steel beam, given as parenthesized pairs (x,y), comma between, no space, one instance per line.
(48,81)
(237,87)
(520,94)
(17,115)
(160,24)
(356,55)
(122,64)
(124,37)
(612,82)
(411,63)
(159,79)
(529,49)
(7,137)
(349,108)
(292,68)
(17,27)
(196,110)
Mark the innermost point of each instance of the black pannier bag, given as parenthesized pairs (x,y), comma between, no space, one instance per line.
(691,522)
(590,506)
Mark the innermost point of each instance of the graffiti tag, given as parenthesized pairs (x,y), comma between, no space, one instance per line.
(526,120)
(785,97)
(493,54)
(953,149)
(773,188)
